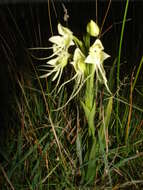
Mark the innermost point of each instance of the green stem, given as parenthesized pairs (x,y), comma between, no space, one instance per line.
(89,105)
(89,94)
(118,68)
(89,108)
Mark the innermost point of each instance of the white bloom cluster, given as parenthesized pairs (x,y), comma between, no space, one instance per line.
(60,56)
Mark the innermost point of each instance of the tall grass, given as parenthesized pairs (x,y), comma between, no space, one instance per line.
(94,142)
(118,65)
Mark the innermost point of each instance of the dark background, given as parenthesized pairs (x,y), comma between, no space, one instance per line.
(24,25)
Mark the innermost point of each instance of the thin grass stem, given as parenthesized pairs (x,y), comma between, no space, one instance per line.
(118,67)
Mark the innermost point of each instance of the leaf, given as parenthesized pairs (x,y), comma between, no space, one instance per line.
(91,120)
(107,117)
(90,115)
(86,110)
(92,165)
(108,112)
(79,148)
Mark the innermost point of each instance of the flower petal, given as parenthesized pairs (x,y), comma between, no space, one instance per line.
(91,58)
(78,61)
(56,40)
(56,74)
(104,56)
(97,46)
(63,30)
(53,61)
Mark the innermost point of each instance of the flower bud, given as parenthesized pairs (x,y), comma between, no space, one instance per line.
(92,29)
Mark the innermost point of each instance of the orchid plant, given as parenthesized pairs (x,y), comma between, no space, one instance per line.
(87,61)
(61,56)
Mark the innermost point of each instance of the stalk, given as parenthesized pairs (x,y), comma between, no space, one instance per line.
(118,68)
(89,109)
(89,103)
(89,106)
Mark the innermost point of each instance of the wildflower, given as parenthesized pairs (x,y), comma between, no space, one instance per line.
(57,64)
(63,41)
(96,57)
(80,69)
(60,55)
(92,28)
(78,61)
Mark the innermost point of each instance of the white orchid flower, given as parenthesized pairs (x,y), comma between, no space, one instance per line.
(63,41)
(96,57)
(78,61)
(56,66)
(60,56)
(80,69)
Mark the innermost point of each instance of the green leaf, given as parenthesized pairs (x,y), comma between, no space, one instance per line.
(86,110)
(108,112)
(91,120)
(106,118)
(90,115)
(92,163)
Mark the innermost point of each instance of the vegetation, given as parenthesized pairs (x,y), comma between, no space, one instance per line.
(74,126)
